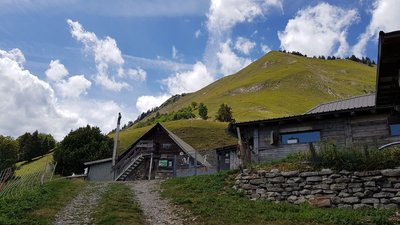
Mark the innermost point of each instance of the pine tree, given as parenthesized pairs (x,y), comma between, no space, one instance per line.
(203,111)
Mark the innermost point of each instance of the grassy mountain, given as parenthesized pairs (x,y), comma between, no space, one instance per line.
(278,84)
(282,84)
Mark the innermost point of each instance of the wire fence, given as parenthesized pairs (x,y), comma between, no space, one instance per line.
(12,185)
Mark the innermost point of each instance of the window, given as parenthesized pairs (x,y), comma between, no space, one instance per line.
(394,129)
(301,137)
(166,146)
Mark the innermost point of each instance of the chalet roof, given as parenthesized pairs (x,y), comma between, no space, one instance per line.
(357,102)
(388,70)
(188,149)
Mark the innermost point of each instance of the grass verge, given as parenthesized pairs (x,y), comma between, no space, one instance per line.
(37,164)
(117,206)
(39,206)
(212,200)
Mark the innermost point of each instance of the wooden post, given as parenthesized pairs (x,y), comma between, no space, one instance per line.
(151,164)
(114,155)
(241,149)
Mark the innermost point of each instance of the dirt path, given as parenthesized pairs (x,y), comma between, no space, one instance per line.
(79,210)
(157,211)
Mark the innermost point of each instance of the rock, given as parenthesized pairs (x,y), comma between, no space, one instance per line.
(270,175)
(342,180)
(328,192)
(325,172)
(354,190)
(292,199)
(334,176)
(383,195)
(395,200)
(258,181)
(313,179)
(350,200)
(274,171)
(384,200)
(361,206)
(290,173)
(300,200)
(397,185)
(305,192)
(318,191)
(389,206)
(327,180)
(367,173)
(370,201)
(320,202)
(338,187)
(369,184)
(394,190)
(391,172)
(374,178)
(344,194)
(277,180)
(260,191)
(355,185)
(345,206)
(345,172)
(275,189)
(308,174)
(249,187)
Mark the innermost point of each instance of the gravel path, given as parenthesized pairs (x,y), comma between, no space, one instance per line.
(157,211)
(79,210)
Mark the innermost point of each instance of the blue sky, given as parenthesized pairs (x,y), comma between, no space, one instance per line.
(69,63)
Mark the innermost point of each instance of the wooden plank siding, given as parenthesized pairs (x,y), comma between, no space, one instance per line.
(371,130)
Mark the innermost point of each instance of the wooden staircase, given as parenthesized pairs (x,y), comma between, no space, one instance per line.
(133,159)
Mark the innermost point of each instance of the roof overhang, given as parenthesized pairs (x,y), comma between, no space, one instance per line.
(97,161)
(388,70)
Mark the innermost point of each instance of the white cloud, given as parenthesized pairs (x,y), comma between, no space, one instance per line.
(74,87)
(138,74)
(275,3)
(56,71)
(265,48)
(15,55)
(28,103)
(145,103)
(174,52)
(385,17)
(189,81)
(229,61)
(244,45)
(319,30)
(197,33)
(107,56)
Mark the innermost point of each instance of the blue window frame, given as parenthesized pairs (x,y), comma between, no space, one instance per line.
(395,129)
(301,137)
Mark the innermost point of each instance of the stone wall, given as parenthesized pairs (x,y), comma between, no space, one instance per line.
(325,188)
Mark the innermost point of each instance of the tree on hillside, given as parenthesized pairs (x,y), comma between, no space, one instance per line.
(8,152)
(79,146)
(224,113)
(47,143)
(194,105)
(35,144)
(203,111)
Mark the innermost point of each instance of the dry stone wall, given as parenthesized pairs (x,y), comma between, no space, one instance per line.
(325,188)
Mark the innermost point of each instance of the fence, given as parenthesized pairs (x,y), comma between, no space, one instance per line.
(185,165)
(12,185)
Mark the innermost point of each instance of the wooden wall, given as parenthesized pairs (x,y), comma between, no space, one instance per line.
(345,131)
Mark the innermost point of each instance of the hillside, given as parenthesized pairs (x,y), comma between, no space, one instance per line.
(200,134)
(282,84)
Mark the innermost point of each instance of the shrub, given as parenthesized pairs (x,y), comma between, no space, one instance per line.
(224,113)
(203,111)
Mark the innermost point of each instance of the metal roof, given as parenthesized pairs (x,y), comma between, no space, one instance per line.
(388,70)
(357,102)
(97,161)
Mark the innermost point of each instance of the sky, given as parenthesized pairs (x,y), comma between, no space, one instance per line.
(68,63)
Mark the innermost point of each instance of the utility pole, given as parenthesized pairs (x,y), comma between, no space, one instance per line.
(116,140)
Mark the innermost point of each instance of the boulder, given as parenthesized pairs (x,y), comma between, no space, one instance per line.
(390,172)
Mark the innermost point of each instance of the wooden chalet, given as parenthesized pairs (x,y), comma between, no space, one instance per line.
(366,121)
(159,153)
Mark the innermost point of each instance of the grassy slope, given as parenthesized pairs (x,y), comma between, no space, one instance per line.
(289,85)
(39,206)
(38,164)
(200,134)
(212,200)
(117,206)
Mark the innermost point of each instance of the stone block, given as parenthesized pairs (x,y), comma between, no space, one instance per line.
(260,191)
(326,180)
(320,202)
(344,172)
(292,198)
(290,173)
(383,195)
(318,191)
(359,194)
(344,195)
(314,179)
(248,187)
(258,181)
(345,206)
(277,180)
(395,200)
(389,206)
(334,176)
(300,200)
(342,180)
(305,192)
(325,172)
(397,185)
(354,190)
(308,174)
(367,173)
(374,178)
(350,200)
(391,172)
(384,200)
(394,190)
(369,184)
(338,187)
(370,201)
(355,185)
(361,206)
(274,189)
(270,175)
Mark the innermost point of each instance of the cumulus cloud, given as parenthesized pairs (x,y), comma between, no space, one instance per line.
(244,45)
(107,56)
(138,74)
(265,48)
(189,81)
(28,103)
(145,103)
(385,17)
(197,33)
(229,61)
(56,71)
(319,30)
(73,87)
(174,52)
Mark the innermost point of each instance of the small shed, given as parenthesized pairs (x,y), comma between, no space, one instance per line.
(228,157)
(99,170)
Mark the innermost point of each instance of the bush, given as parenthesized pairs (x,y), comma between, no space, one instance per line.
(203,111)
(224,114)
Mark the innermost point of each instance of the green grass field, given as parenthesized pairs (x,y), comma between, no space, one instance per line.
(37,164)
(200,134)
(281,84)
(211,200)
